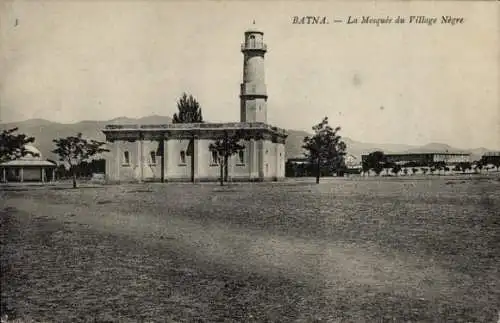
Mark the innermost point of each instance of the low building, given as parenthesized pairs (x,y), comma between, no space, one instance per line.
(29,168)
(426,158)
(163,152)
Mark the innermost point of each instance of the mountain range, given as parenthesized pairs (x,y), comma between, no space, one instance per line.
(45,131)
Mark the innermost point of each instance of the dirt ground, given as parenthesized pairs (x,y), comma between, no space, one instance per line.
(346,250)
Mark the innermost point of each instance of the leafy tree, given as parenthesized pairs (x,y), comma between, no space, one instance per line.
(463,166)
(74,150)
(496,163)
(325,149)
(225,147)
(396,169)
(440,166)
(388,166)
(478,167)
(365,167)
(12,145)
(414,170)
(405,171)
(376,161)
(424,170)
(492,160)
(189,110)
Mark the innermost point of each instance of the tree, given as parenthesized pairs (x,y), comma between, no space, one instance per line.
(396,168)
(496,163)
(12,145)
(189,110)
(388,166)
(490,160)
(325,149)
(375,160)
(405,171)
(74,150)
(414,170)
(478,167)
(365,167)
(440,166)
(463,166)
(225,147)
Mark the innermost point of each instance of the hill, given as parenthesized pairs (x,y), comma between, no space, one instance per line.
(45,131)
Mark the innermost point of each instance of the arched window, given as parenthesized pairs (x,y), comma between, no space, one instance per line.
(183,157)
(252,41)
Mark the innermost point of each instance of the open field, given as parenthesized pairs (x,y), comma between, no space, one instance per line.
(346,250)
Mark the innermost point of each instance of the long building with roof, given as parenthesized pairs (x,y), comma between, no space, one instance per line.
(426,158)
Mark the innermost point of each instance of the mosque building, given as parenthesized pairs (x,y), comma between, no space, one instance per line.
(163,152)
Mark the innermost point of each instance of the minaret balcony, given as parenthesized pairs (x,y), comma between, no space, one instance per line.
(254,46)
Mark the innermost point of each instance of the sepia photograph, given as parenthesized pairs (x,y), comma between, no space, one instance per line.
(249,161)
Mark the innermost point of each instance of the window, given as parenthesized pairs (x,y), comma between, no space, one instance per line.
(241,157)
(183,157)
(153,157)
(126,158)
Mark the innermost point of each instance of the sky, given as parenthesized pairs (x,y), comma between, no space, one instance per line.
(394,83)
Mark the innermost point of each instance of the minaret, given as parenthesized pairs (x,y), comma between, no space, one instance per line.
(253,93)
